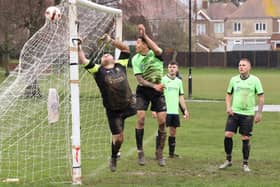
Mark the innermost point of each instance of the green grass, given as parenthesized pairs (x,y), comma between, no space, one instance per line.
(199,142)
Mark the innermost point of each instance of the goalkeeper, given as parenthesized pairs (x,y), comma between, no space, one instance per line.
(117,96)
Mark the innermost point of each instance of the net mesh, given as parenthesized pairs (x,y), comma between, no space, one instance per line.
(31,149)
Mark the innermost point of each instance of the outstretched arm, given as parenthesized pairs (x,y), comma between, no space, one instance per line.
(152,45)
(89,65)
(82,58)
(118,44)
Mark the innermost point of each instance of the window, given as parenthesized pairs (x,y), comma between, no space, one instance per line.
(237,27)
(200,29)
(237,42)
(219,27)
(260,27)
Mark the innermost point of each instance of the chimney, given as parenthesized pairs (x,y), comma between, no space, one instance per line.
(205,4)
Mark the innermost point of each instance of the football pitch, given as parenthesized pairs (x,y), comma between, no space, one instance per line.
(199,142)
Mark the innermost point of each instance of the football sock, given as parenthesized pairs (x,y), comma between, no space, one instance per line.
(161,137)
(115,149)
(228,147)
(157,142)
(139,133)
(246,151)
(172,144)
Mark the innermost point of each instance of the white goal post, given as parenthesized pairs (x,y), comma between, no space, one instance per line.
(74,76)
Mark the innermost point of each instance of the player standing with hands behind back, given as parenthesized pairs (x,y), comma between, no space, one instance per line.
(148,69)
(240,103)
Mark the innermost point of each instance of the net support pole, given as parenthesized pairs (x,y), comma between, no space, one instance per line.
(74,77)
(118,33)
(75,94)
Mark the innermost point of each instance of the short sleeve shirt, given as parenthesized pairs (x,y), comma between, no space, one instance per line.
(173,89)
(244,94)
(149,66)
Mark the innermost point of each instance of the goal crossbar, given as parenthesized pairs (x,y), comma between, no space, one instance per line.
(99,7)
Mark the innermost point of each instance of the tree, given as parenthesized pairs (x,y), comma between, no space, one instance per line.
(19,20)
(171,35)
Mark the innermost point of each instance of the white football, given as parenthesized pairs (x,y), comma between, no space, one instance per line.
(53,13)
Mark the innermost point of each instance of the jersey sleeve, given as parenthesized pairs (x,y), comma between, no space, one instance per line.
(259,88)
(181,89)
(136,65)
(124,58)
(230,87)
(91,67)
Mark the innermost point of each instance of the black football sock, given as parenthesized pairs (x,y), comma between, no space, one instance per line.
(157,142)
(139,133)
(246,151)
(115,148)
(228,147)
(172,144)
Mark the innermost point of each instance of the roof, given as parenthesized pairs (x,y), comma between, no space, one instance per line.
(163,9)
(257,9)
(275,36)
(208,42)
(252,47)
(220,10)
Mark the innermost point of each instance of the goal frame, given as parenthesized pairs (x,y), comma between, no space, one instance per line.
(74,76)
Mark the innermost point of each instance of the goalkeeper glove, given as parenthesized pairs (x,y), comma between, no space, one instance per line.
(106,38)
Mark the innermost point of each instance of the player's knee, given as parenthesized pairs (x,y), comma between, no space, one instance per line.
(118,138)
(244,137)
(161,127)
(119,141)
(161,117)
(140,123)
(172,131)
(229,134)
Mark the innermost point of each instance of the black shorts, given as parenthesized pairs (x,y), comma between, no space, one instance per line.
(116,118)
(172,120)
(145,95)
(243,122)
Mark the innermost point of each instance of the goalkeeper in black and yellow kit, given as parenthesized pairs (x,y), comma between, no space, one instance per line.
(118,100)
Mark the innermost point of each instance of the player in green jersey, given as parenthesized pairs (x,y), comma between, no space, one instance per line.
(148,69)
(174,94)
(240,104)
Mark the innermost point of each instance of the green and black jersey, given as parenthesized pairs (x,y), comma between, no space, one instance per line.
(243,93)
(173,88)
(113,83)
(149,66)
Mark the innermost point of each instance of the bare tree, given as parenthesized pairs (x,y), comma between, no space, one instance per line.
(19,20)
(8,24)
(171,35)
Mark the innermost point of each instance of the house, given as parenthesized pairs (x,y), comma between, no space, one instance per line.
(254,25)
(209,25)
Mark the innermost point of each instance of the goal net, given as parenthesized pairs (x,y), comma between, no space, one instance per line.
(33,148)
